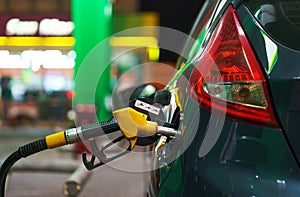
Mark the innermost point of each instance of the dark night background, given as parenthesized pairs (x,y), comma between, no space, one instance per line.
(175,14)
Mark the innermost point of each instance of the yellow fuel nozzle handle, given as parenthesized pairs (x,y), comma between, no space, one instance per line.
(132,123)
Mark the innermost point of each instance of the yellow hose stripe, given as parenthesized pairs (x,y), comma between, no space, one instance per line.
(56,140)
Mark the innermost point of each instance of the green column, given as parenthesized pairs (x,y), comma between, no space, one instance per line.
(92,19)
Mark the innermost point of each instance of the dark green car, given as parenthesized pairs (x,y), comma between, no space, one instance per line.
(236,101)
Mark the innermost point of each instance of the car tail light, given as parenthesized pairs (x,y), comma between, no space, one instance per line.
(228,76)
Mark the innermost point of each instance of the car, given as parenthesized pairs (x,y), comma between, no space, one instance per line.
(235,101)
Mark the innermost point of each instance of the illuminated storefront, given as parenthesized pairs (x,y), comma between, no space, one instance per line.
(37,58)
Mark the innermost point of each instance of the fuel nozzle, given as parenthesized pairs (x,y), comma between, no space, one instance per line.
(140,123)
(131,122)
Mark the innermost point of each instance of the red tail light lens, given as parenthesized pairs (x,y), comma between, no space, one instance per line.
(228,77)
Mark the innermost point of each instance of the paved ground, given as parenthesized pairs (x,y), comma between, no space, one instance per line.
(108,180)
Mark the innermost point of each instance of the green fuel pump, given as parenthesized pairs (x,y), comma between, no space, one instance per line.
(93,24)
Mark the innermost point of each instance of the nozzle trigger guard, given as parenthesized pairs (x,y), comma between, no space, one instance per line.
(90,165)
(100,154)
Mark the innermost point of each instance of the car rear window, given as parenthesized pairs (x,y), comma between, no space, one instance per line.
(281,19)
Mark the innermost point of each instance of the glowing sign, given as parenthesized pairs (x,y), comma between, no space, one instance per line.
(55,27)
(16,27)
(47,27)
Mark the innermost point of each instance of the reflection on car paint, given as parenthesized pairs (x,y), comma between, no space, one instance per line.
(271,52)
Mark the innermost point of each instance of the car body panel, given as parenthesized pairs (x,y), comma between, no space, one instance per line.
(245,160)
(282,67)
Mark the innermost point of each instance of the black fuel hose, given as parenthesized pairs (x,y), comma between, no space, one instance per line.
(22,152)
